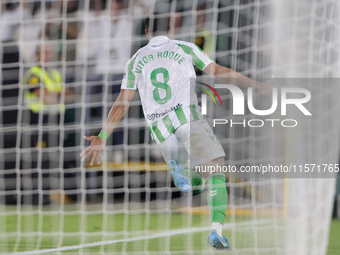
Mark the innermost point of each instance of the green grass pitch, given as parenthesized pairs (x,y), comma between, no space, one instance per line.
(334,237)
(137,224)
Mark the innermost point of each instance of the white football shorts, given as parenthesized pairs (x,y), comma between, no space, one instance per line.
(199,141)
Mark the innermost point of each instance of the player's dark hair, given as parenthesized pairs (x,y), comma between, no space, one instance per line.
(160,24)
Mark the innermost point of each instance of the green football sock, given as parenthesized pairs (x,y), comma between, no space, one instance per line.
(197,181)
(217,197)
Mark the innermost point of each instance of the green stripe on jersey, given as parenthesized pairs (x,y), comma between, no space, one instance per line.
(153,138)
(197,61)
(131,75)
(181,116)
(194,112)
(198,48)
(157,132)
(168,124)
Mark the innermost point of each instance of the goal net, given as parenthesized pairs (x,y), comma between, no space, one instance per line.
(61,70)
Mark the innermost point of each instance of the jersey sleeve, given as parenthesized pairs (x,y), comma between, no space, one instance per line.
(199,57)
(129,79)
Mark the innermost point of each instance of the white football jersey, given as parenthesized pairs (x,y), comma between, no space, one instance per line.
(164,75)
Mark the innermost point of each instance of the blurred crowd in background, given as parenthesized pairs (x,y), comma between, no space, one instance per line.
(97,31)
(89,43)
(92,40)
(61,69)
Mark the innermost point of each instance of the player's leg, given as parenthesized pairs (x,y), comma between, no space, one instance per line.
(217,198)
(197,181)
(205,150)
(182,178)
(185,179)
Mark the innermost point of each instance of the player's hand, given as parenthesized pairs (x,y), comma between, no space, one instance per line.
(95,149)
(266,88)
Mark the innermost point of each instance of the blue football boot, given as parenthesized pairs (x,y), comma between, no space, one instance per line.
(179,176)
(218,242)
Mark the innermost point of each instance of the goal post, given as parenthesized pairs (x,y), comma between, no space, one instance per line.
(52,202)
(301,37)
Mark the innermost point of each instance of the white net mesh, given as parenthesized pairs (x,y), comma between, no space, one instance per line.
(51,202)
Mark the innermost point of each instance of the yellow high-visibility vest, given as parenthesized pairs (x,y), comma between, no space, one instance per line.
(52,81)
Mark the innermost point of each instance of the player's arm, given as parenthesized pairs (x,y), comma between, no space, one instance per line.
(230,76)
(116,114)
